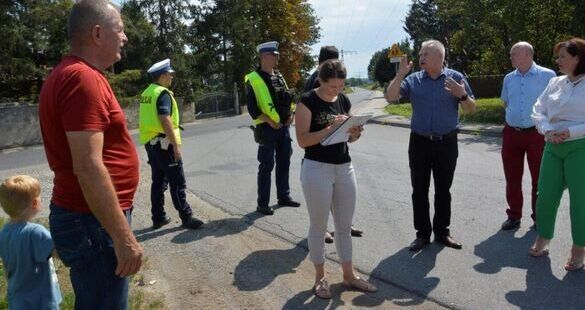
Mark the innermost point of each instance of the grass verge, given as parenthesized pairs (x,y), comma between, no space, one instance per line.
(489,111)
(139,299)
(347,90)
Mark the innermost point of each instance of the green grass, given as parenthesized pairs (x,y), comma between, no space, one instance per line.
(371,86)
(347,90)
(489,111)
(137,300)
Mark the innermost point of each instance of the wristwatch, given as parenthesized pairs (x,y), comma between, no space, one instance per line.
(464,97)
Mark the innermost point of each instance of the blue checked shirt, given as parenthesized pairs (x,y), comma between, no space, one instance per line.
(434,109)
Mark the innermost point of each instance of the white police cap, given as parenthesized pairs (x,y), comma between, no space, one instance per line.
(161,67)
(268,47)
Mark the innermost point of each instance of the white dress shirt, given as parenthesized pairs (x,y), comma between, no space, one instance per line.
(561,106)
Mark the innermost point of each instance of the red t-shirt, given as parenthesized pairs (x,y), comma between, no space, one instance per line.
(77,97)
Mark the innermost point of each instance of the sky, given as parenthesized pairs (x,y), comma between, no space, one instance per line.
(361,28)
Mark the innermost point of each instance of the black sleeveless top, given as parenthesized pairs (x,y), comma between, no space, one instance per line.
(322,114)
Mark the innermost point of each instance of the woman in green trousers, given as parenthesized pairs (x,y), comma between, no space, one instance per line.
(559,114)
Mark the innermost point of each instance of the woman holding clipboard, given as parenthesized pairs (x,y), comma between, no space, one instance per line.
(327,175)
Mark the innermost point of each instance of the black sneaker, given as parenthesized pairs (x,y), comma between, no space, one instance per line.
(510,224)
(159,224)
(289,203)
(266,210)
(192,223)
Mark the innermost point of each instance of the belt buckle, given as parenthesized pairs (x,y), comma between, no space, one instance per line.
(435,138)
(519,129)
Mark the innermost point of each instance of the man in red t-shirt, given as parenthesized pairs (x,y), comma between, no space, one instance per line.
(96,166)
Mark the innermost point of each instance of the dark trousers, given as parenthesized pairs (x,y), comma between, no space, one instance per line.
(166,172)
(515,145)
(274,147)
(86,248)
(440,158)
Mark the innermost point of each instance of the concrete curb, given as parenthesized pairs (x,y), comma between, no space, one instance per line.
(470,129)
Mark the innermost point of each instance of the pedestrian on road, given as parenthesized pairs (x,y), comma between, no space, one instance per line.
(160,133)
(559,114)
(327,174)
(520,138)
(435,93)
(26,248)
(271,106)
(94,160)
(326,53)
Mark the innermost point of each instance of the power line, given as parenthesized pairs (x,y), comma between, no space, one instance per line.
(337,27)
(379,33)
(349,24)
(360,24)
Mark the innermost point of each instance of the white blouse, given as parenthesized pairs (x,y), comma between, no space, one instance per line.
(561,106)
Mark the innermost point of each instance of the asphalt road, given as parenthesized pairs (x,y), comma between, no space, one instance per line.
(493,271)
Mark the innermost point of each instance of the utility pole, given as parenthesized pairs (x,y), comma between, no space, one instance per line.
(346,52)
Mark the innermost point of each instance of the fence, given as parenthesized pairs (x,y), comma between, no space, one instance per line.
(216,104)
(486,86)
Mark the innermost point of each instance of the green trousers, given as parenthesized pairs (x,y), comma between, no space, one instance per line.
(563,166)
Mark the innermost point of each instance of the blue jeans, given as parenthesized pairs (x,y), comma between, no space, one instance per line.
(84,246)
(275,144)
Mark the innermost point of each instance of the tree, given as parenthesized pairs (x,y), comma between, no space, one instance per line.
(479,33)
(381,69)
(224,35)
(138,52)
(34,38)
(165,37)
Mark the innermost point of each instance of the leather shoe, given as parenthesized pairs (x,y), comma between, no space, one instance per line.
(192,223)
(448,241)
(266,210)
(289,203)
(418,244)
(328,237)
(158,224)
(510,224)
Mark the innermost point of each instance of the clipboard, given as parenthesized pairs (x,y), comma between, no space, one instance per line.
(340,134)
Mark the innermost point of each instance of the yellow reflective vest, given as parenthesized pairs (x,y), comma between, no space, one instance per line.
(263,98)
(149,124)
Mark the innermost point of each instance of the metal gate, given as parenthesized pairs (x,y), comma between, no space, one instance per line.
(215,104)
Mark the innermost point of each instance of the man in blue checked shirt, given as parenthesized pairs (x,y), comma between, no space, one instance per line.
(435,93)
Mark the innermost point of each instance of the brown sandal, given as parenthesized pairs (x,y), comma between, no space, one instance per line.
(574,264)
(321,289)
(539,248)
(360,285)
(534,252)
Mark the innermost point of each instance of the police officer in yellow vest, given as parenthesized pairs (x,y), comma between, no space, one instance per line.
(160,133)
(271,105)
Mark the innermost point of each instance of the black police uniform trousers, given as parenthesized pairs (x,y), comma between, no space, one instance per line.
(166,172)
(440,158)
(274,146)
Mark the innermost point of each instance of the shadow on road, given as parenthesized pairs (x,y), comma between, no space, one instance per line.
(219,228)
(494,143)
(257,270)
(145,234)
(308,300)
(410,270)
(504,249)
(543,289)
